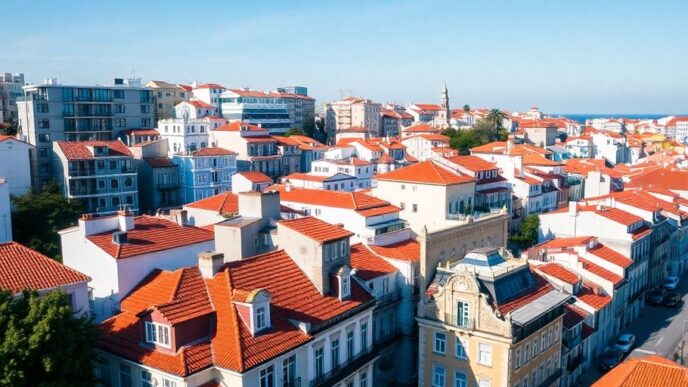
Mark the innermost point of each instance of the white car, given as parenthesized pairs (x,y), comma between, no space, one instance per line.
(624,343)
(670,282)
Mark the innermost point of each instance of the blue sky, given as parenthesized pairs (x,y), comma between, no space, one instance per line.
(563,56)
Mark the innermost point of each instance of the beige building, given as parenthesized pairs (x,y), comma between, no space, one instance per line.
(165,97)
(352,112)
(487,320)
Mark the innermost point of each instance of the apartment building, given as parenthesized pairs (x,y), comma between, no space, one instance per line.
(392,121)
(10,90)
(55,112)
(300,106)
(255,107)
(352,112)
(540,133)
(190,129)
(487,320)
(492,191)
(100,174)
(205,172)
(256,150)
(15,164)
(208,93)
(165,97)
(158,176)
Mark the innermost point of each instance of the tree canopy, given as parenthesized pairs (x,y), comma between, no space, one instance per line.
(481,133)
(42,343)
(295,132)
(528,234)
(37,217)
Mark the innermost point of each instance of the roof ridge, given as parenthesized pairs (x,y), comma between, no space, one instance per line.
(232,310)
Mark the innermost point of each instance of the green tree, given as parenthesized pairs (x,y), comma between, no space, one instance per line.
(528,234)
(495,116)
(309,127)
(42,343)
(10,130)
(295,132)
(37,217)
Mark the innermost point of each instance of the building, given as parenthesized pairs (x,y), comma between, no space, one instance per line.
(208,93)
(352,112)
(165,97)
(100,174)
(24,269)
(5,212)
(55,112)
(158,177)
(392,120)
(650,370)
(362,171)
(190,130)
(290,151)
(488,319)
(266,110)
(540,133)
(15,164)
(424,146)
(256,150)
(10,90)
(428,193)
(492,191)
(247,181)
(311,150)
(300,106)
(119,251)
(205,172)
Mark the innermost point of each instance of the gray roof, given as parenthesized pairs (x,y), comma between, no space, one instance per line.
(540,306)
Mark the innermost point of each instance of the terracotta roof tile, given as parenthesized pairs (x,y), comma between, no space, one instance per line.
(238,126)
(225,203)
(367,264)
(408,250)
(316,229)
(558,271)
(22,268)
(600,271)
(543,287)
(646,371)
(356,201)
(573,316)
(79,150)
(159,162)
(611,256)
(473,163)
(256,177)
(426,172)
(203,152)
(619,216)
(151,234)
(588,296)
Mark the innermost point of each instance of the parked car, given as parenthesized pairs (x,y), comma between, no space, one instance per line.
(672,299)
(670,282)
(625,343)
(656,296)
(610,358)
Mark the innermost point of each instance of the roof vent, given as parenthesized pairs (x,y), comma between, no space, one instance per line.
(119,237)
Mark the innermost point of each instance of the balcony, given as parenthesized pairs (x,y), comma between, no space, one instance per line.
(571,343)
(81,172)
(466,323)
(166,186)
(551,379)
(388,238)
(574,363)
(388,298)
(296,382)
(348,367)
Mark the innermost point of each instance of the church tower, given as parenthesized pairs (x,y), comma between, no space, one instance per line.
(444,115)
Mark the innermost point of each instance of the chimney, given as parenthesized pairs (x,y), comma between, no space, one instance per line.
(510,144)
(125,219)
(119,237)
(573,208)
(287,187)
(181,217)
(209,263)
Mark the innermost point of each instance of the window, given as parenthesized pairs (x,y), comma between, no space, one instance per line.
(525,381)
(104,371)
(145,122)
(146,379)
(114,183)
(350,344)
(145,109)
(124,375)
(526,354)
(364,336)
(345,287)
(260,318)
(440,342)
(484,382)
(44,123)
(364,380)
(462,314)
(438,376)
(128,182)
(461,348)
(319,362)
(517,363)
(542,373)
(334,353)
(415,208)
(460,379)
(342,247)
(543,342)
(535,348)
(485,354)
(267,377)
(158,334)
(44,137)
(289,370)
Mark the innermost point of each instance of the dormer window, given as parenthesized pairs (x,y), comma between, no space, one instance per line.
(254,309)
(346,288)
(158,334)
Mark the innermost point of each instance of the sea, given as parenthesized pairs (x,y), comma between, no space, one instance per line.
(583,117)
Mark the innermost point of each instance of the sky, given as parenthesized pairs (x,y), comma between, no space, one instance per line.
(563,56)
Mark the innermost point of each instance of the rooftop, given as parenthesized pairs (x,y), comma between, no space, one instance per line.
(316,229)
(225,203)
(79,150)
(426,172)
(645,371)
(368,265)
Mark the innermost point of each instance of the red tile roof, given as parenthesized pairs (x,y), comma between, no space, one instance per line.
(428,106)
(151,234)
(364,204)
(426,172)
(663,178)
(237,126)
(408,250)
(473,163)
(647,371)
(619,216)
(558,271)
(204,152)
(367,264)
(543,287)
(225,203)
(611,256)
(560,243)
(421,128)
(600,271)
(537,159)
(256,177)
(22,268)
(78,150)
(588,296)
(500,147)
(198,104)
(141,132)
(159,162)
(316,229)
(573,315)
(209,86)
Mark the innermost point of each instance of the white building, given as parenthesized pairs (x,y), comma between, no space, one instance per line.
(247,181)
(15,164)
(336,182)
(425,146)
(361,170)
(266,110)
(118,251)
(208,93)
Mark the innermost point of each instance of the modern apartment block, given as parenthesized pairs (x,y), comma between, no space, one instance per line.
(10,90)
(55,112)
(101,174)
(165,97)
(352,112)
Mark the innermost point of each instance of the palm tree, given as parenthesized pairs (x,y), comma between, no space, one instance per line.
(495,116)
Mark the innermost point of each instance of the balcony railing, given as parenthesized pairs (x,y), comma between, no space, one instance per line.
(466,323)
(551,379)
(389,298)
(574,363)
(296,382)
(82,172)
(346,368)
(164,186)
(571,343)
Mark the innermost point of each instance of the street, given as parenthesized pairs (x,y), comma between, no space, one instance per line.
(658,330)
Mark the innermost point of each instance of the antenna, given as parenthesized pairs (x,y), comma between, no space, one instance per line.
(342,92)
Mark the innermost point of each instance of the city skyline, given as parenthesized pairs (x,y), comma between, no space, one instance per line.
(564,58)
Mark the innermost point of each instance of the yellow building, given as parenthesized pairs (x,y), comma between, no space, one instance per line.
(488,321)
(166,96)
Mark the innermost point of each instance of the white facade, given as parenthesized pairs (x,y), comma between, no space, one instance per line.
(187,135)
(361,171)
(5,212)
(421,146)
(15,165)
